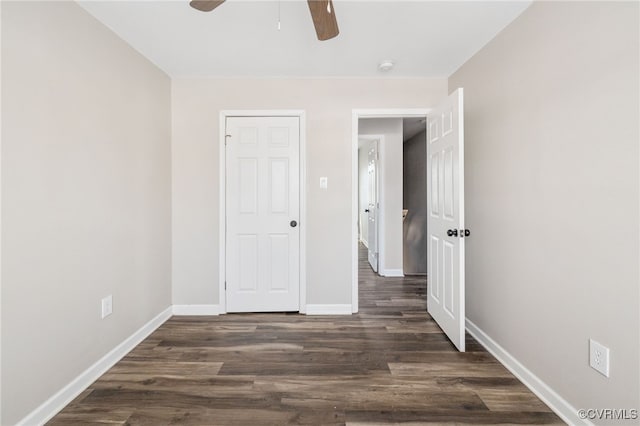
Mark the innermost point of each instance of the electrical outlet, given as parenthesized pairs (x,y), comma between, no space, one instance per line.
(107,306)
(599,357)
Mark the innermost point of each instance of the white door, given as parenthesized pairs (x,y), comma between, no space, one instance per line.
(445,217)
(262,203)
(372,208)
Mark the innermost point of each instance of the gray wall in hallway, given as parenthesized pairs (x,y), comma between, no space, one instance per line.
(415,200)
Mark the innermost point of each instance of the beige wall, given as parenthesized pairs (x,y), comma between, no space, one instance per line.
(552,193)
(328,103)
(390,191)
(85,196)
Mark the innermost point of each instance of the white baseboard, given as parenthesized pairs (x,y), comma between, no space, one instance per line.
(559,405)
(329,309)
(196,309)
(392,273)
(64,396)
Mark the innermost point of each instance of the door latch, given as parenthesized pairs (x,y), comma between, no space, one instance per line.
(454,233)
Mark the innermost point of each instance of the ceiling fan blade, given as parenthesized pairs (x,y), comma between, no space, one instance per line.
(324,18)
(205,5)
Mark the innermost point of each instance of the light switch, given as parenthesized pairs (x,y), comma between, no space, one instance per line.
(323,182)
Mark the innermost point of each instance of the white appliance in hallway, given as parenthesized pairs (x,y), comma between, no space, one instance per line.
(262,214)
(445,218)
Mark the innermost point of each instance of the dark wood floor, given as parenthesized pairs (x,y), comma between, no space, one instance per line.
(388,364)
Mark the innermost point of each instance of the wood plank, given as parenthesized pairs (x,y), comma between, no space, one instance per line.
(446,369)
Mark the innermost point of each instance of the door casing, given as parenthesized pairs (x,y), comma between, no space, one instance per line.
(222,197)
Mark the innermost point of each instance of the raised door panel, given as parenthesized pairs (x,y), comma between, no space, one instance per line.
(278,265)
(279,186)
(448,278)
(434,187)
(434,267)
(247,271)
(247,169)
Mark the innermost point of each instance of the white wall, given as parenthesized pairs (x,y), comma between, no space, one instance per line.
(196,103)
(552,186)
(363,190)
(390,180)
(85,196)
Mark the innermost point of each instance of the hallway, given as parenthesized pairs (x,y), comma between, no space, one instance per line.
(390,363)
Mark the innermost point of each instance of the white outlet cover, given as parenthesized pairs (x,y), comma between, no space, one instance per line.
(107,306)
(599,357)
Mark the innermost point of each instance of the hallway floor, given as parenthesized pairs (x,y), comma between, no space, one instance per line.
(390,363)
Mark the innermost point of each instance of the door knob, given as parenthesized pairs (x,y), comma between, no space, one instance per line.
(452,232)
(293,223)
(366,210)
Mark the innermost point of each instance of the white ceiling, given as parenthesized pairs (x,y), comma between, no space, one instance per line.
(240,38)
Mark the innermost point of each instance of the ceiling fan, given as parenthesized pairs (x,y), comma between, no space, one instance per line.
(322,13)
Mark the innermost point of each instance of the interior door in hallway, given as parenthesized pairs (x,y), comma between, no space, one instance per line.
(262,214)
(445,218)
(372,208)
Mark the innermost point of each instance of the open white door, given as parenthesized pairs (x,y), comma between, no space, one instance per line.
(372,208)
(262,214)
(445,217)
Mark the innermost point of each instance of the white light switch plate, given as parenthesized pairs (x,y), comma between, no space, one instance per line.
(324,181)
(107,306)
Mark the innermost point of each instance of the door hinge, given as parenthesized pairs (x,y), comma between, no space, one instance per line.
(225,138)
(225,285)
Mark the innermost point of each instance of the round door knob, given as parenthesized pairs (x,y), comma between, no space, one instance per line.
(293,223)
(452,232)
(366,210)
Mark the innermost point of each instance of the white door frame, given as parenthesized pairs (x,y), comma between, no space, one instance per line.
(222,199)
(356,115)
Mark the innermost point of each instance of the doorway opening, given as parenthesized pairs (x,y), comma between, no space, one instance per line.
(446,230)
(378,198)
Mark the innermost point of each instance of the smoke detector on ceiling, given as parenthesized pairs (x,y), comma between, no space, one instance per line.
(385,66)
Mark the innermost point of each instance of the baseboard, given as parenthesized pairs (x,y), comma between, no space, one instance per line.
(196,310)
(329,309)
(392,273)
(559,405)
(62,398)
